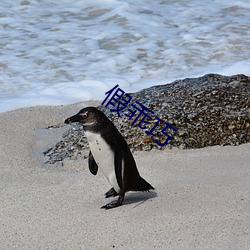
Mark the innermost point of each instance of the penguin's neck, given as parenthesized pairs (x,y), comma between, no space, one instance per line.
(94,127)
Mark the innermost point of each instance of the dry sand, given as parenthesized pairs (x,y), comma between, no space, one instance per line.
(201,201)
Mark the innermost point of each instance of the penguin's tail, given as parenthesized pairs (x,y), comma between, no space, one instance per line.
(141,185)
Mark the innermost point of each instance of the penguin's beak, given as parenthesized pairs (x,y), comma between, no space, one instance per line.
(74,118)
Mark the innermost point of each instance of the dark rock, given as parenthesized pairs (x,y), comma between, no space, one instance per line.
(206,111)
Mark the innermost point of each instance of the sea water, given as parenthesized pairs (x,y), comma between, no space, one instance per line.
(61,52)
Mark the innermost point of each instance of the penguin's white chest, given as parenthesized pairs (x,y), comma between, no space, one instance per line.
(104,157)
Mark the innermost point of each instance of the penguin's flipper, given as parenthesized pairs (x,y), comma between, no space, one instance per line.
(93,167)
(111,193)
(118,166)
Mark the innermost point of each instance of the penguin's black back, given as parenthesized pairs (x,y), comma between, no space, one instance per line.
(132,180)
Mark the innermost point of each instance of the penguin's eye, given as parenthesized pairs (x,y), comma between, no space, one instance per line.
(84,115)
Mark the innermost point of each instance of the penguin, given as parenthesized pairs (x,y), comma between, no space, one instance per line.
(110,152)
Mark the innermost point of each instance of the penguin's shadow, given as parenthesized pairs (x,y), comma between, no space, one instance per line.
(137,198)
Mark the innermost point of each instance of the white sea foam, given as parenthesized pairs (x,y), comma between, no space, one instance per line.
(60,52)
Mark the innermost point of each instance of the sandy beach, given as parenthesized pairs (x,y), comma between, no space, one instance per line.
(201,198)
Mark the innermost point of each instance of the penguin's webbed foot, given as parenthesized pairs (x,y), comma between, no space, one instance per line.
(111,193)
(113,204)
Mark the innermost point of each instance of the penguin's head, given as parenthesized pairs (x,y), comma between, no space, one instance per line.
(88,117)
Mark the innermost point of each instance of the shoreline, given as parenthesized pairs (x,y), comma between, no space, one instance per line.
(201,198)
